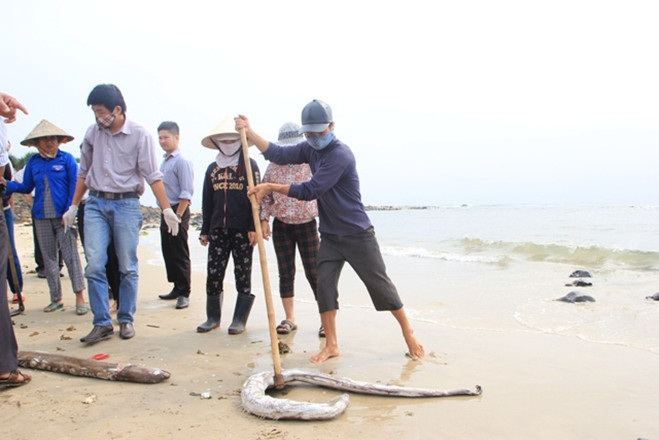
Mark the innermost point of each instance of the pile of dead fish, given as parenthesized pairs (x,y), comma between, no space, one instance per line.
(574,295)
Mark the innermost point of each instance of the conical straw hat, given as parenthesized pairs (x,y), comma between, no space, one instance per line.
(225,129)
(45,129)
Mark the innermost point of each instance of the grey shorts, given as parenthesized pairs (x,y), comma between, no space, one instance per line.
(362,253)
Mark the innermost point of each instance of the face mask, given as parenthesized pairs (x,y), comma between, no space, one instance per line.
(45,155)
(48,145)
(230,149)
(320,142)
(107,121)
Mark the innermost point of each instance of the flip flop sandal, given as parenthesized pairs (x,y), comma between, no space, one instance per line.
(14,300)
(12,380)
(82,310)
(321,332)
(52,307)
(286,327)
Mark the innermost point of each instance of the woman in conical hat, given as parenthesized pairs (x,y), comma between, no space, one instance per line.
(52,174)
(227,226)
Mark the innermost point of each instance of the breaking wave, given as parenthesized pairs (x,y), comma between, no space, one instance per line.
(423,253)
(474,250)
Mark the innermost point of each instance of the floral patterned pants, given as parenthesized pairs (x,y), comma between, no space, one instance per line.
(221,244)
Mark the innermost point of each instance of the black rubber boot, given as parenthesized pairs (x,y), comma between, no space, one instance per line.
(240,315)
(213,313)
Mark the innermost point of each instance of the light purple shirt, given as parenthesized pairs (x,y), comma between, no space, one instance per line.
(118,162)
(178,177)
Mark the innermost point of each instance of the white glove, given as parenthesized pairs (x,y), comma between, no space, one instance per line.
(172,221)
(69,216)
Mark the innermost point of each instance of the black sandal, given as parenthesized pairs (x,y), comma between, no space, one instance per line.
(286,327)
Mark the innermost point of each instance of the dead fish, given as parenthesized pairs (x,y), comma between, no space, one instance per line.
(574,296)
(60,363)
(256,402)
(580,274)
(580,283)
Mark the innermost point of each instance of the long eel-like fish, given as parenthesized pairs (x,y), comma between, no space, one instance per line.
(90,368)
(256,402)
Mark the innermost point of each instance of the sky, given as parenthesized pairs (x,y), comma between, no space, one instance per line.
(443,103)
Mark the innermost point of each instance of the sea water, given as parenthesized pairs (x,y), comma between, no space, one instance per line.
(501,268)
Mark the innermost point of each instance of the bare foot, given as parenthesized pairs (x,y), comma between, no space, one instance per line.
(325,353)
(416,349)
(413,344)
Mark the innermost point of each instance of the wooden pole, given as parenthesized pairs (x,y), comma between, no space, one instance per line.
(274,341)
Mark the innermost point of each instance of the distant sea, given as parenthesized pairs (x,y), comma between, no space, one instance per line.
(500,268)
(600,238)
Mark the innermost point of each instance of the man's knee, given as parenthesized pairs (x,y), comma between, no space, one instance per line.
(94,270)
(326,302)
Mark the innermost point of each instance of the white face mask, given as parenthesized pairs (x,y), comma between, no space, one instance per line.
(230,149)
(46,155)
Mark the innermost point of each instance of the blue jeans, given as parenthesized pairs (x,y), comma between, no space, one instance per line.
(121,221)
(9,218)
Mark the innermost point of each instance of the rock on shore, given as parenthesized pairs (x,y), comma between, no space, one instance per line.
(22,214)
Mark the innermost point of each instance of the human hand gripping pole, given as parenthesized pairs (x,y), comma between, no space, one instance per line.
(274,341)
(172,221)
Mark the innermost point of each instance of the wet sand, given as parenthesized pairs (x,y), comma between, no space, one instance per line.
(535,385)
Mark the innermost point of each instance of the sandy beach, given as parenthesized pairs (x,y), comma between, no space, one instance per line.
(535,385)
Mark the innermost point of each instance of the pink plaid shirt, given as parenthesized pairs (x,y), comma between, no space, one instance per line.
(287,209)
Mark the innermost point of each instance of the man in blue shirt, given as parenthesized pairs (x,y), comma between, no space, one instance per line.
(178,178)
(345,230)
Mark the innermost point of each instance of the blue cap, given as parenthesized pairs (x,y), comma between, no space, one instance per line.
(316,117)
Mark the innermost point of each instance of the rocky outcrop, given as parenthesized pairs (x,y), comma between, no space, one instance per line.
(23,213)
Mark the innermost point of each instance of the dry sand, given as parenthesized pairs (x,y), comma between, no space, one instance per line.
(535,386)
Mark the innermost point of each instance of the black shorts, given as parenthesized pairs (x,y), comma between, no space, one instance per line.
(363,254)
